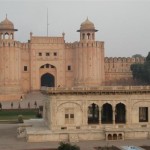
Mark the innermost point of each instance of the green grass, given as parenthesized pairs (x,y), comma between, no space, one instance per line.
(12,114)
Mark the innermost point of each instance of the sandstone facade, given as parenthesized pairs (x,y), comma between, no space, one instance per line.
(50,61)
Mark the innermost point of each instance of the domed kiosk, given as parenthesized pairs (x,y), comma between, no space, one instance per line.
(87,30)
(7,29)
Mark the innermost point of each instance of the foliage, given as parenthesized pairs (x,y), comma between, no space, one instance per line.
(12,114)
(137,56)
(67,146)
(141,72)
(20,118)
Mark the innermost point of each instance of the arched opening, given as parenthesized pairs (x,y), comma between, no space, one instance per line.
(120,113)
(114,136)
(93,36)
(107,113)
(1,35)
(109,137)
(47,80)
(6,36)
(11,36)
(120,137)
(88,36)
(93,114)
(83,36)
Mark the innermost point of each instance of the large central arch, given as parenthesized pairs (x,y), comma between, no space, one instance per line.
(47,80)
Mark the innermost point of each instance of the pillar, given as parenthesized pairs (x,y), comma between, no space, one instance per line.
(100,115)
(113,115)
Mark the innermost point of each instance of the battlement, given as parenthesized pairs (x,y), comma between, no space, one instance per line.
(124,60)
(47,40)
(98,44)
(6,43)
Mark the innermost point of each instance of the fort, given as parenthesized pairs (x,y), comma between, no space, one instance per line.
(87,96)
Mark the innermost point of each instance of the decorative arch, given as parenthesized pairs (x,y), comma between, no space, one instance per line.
(93,114)
(109,137)
(47,75)
(88,36)
(70,113)
(68,103)
(114,136)
(47,80)
(120,136)
(120,113)
(6,35)
(11,36)
(107,113)
(83,36)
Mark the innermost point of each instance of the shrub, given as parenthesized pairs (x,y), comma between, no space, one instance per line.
(20,118)
(67,146)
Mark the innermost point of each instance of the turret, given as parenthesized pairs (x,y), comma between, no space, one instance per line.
(10,58)
(87,31)
(7,30)
(89,57)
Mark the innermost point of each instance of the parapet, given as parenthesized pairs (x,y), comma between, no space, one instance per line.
(124,60)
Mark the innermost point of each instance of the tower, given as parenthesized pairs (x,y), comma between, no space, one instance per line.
(10,63)
(89,57)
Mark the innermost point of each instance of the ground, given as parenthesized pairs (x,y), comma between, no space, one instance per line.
(9,141)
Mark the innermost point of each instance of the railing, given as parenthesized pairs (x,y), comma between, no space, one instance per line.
(96,89)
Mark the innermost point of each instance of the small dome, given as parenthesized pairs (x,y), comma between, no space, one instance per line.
(6,24)
(87,25)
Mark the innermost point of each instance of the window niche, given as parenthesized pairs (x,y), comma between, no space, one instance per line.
(25,68)
(69,116)
(40,54)
(143,114)
(69,68)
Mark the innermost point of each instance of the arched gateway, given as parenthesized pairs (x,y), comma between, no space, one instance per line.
(47,80)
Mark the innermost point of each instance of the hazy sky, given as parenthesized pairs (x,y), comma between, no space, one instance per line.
(124,25)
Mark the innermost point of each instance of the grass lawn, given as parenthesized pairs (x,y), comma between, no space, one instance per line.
(12,114)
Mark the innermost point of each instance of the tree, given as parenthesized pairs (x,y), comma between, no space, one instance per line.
(0,106)
(141,72)
(67,146)
(137,56)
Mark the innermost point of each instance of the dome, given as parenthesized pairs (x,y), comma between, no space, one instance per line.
(6,25)
(87,25)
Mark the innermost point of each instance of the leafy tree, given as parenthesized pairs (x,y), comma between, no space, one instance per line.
(67,146)
(141,72)
(137,55)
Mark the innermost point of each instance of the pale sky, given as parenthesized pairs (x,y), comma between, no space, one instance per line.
(124,25)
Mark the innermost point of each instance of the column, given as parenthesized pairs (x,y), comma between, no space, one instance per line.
(126,116)
(113,115)
(100,115)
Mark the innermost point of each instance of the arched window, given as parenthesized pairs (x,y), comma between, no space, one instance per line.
(109,137)
(93,36)
(88,36)
(1,35)
(120,113)
(114,136)
(83,36)
(6,36)
(93,114)
(47,80)
(107,113)
(11,36)
(120,136)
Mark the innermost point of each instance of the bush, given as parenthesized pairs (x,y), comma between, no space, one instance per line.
(20,118)
(67,146)
(39,115)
